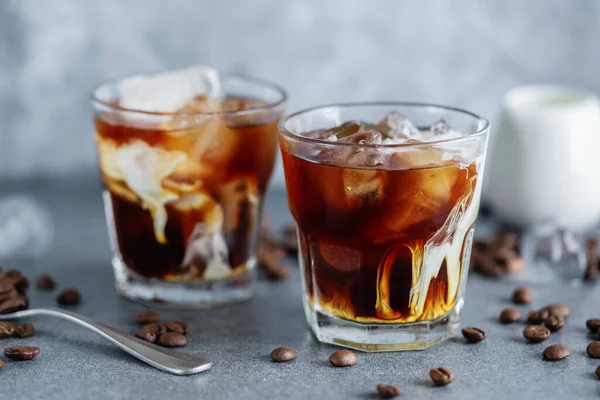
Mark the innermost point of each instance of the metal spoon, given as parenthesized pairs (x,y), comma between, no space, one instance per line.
(167,360)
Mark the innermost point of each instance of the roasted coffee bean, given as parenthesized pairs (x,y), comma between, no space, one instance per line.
(14,303)
(536,333)
(146,317)
(25,330)
(155,328)
(343,358)
(6,286)
(441,376)
(522,296)
(557,309)
(6,329)
(45,282)
(177,326)
(69,297)
(1,363)
(172,339)
(593,325)
(21,353)
(146,335)
(537,317)
(554,323)
(282,354)
(388,391)
(593,349)
(474,335)
(598,371)
(19,281)
(509,316)
(556,352)
(270,258)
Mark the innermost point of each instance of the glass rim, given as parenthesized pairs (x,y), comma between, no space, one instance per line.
(481,131)
(283,96)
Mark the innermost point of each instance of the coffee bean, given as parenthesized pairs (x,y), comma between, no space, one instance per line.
(282,354)
(1,363)
(172,339)
(146,335)
(593,325)
(388,391)
(6,286)
(509,316)
(598,371)
(537,317)
(155,328)
(6,329)
(522,296)
(177,326)
(25,330)
(146,317)
(19,281)
(14,302)
(536,333)
(441,376)
(474,335)
(343,358)
(554,323)
(21,353)
(69,297)
(557,309)
(593,349)
(556,352)
(45,282)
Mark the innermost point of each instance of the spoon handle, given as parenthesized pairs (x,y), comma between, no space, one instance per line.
(164,359)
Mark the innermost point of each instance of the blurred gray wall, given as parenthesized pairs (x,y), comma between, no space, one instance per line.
(465,52)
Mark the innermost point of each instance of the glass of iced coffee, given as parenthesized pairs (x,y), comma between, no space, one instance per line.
(385,198)
(185,157)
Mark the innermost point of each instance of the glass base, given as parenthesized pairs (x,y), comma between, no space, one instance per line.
(381,337)
(158,293)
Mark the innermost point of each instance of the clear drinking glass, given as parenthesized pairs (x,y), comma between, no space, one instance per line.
(183,190)
(384,229)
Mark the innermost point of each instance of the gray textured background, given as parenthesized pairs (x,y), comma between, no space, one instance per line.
(462,52)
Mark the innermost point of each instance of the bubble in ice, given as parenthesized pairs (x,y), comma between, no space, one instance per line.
(206,253)
(170,91)
(26,227)
(397,125)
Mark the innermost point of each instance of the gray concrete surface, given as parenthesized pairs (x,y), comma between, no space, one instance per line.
(75,364)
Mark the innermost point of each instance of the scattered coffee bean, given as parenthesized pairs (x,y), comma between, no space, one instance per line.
(69,297)
(474,335)
(177,326)
(522,296)
(598,371)
(19,281)
(591,267)
(388,391)
(510,316)
(536,333)
(554,323)
(155,327)
(593,349)
(556,352)
(172,339)
(282,354)
(6,329)
(557,309)
(146,317)
(271,255)
(146,335)
(21,353)
(537,317)
(593,325)
(25,330)
(45,282)
(343,358)
(441,376)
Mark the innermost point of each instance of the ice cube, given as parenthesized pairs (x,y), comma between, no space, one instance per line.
(363,137)
(413,207)
(143,168)
(170,91)
(206,254)
(339,257)
(339,132)
(397,125)
(215,145)
(439,128)
(363,187)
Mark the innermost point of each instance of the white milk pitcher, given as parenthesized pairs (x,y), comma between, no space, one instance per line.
(545,164)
